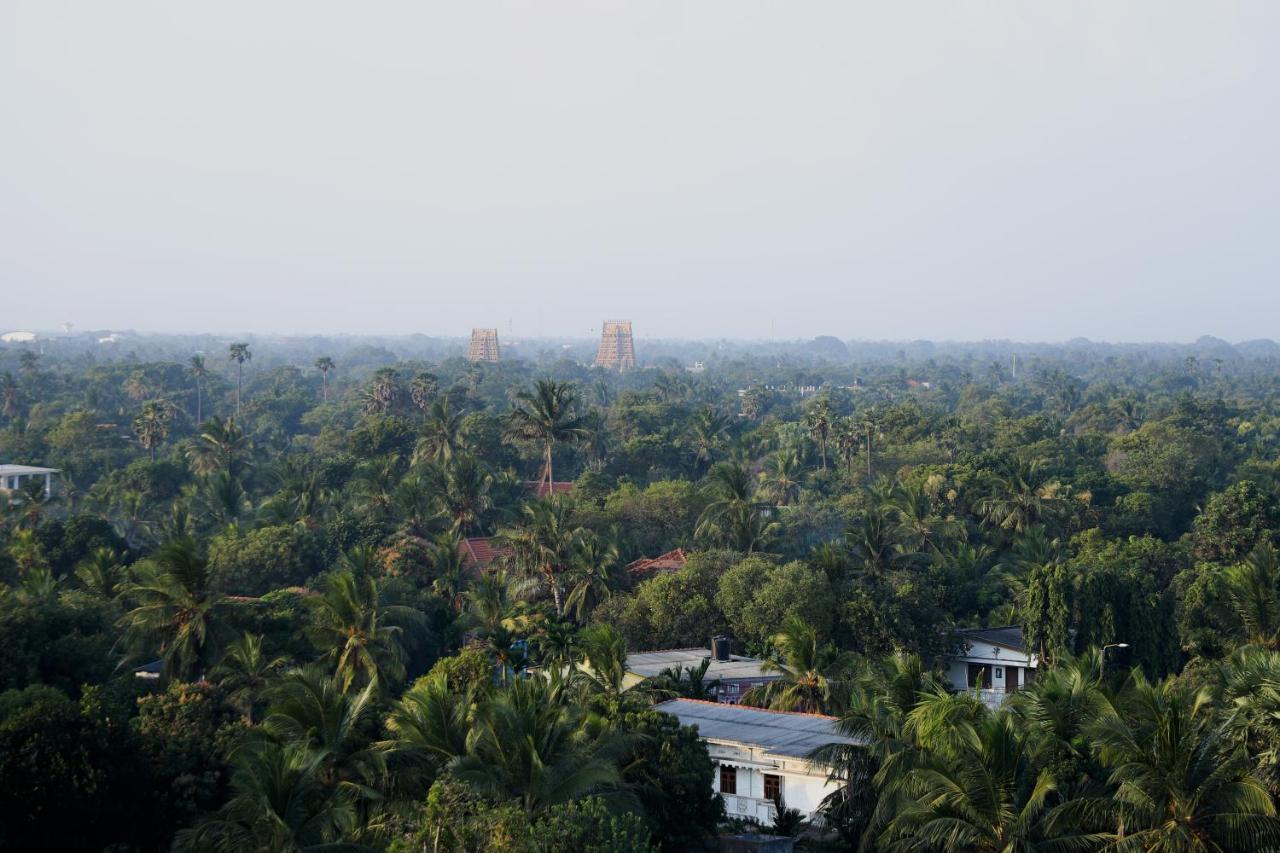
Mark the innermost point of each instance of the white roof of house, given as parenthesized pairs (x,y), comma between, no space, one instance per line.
(650,664)
(23,470)
(776,732)
(17,337)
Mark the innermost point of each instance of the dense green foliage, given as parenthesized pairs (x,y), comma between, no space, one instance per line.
(280,527)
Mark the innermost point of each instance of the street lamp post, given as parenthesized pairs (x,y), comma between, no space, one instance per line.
(1102,669)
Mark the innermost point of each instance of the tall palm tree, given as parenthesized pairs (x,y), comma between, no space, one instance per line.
(239,353)
(356,631)
(547,416)
(99,573)
(309,708)
(728,488)
(244,672)
(383,391)
(463,489)
(441,434)
(1182,781)
(593,575)
(705,437)
(818,421)
(529,747)
(543,542)
(428,728)
(324,364)
(972,785)
(812,678)
(847,438)
(1253,590)
(198,373)
(220,446)
(780,479)
(422,390)
(280,803)
(174,607)
(151,426)
(1024,495)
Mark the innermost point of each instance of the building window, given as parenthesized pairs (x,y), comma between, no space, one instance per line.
(728,780)
(772,786)
(979,676)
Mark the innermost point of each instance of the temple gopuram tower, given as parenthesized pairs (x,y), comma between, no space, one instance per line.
(617,352)
(484,345)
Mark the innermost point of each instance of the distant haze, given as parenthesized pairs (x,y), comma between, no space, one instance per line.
(901,170)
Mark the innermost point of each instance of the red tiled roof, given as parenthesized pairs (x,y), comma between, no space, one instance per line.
(541,490)
(672,561)
(479,552)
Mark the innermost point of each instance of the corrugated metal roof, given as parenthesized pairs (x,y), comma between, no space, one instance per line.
(776,732)
(650,664)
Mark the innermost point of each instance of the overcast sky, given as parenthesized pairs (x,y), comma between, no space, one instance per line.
(966,170)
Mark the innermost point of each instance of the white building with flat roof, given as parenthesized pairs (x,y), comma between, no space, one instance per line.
(12,477)
(761,754)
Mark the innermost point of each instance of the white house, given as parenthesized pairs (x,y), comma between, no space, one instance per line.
(18,337)
(13,476)
(994,661)
(761,754)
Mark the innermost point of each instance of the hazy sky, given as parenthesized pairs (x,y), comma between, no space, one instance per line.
(896,169)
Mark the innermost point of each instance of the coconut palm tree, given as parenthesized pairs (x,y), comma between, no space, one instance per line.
(441,434)
(99,573)
(780,479)
(1024,495)
(244,672)
(462,487)
(529,747)
(198,373)
(547,416)
(593,576)
(1252,588)
(151,426)
(324,364)
(705,437)
(309,708)
(730,516)
(428,728)
(175,608)
(357,632)
(543,543)
(972,785)
(220,446)
(1181,780)
(280,803)
(689,682)
(239,353)
(812,678)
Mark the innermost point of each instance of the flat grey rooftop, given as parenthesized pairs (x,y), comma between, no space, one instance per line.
(777,732)
(650,664)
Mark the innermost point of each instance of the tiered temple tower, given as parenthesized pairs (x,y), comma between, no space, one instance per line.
(617,352)
(484,345)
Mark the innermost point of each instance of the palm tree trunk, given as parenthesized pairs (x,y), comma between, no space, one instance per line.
(324,383)
(550,478)
(239,376)
(199,402)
